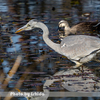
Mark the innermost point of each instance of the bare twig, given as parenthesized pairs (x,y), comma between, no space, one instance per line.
(11,73)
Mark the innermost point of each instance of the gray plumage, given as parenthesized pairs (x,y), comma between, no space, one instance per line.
(78,48)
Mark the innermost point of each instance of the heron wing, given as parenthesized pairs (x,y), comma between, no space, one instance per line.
(78,46)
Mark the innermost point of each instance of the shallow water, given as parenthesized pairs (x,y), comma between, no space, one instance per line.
(36,55)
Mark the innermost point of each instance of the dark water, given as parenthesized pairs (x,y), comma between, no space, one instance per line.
(36,55)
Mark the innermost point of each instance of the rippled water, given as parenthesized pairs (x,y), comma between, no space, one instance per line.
(36,55)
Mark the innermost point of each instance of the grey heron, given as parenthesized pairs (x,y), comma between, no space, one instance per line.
(77,48)
(89,28)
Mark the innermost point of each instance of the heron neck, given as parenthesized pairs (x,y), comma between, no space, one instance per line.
(51,44)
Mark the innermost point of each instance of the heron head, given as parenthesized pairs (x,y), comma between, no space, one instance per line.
(62,24)
(29,26)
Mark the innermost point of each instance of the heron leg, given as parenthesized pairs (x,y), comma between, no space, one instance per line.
(82,70)
(80,67)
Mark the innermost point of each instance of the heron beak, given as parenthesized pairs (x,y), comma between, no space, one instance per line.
(21,29)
